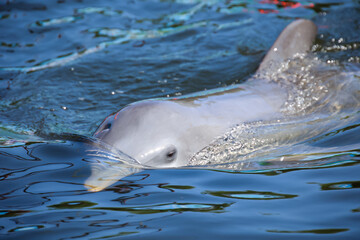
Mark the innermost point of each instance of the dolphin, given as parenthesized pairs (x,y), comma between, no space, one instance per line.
(167,132)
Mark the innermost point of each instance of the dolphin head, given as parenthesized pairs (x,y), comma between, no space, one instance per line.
(151,132)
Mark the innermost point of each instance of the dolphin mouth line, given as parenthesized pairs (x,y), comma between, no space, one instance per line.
(113,153)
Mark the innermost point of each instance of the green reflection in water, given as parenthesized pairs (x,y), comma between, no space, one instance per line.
(170,207)
(316,231)
(116,235)
(73,205)
(340,185)
(356,210)
(172,187)
(10,213)
(4,16)
(251,195)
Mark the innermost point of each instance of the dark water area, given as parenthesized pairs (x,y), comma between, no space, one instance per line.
(66,65)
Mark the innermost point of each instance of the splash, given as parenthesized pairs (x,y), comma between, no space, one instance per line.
(321,98)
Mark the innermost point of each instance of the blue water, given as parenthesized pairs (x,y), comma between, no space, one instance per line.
(66,65)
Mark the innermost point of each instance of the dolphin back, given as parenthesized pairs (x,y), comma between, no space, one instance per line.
(296,38)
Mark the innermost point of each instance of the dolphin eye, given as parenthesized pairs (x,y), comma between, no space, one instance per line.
(171,154)
(107,126)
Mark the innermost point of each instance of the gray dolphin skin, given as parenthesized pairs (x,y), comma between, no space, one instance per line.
(167,132)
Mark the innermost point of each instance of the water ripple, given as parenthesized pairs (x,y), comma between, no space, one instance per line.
(54,187)
(316,231)
(78,15)
(170,207)
(28,228)
(37,169)
(251,195)
(73,205)
(341,185)
(128,35)
(12,213)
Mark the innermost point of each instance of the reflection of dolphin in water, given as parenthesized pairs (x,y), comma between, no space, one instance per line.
(168,132)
